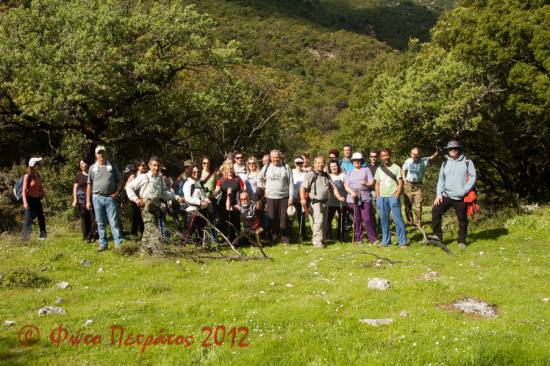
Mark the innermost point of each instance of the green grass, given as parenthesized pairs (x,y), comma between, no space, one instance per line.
(314,322)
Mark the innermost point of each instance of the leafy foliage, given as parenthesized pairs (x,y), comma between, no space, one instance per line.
(484,80)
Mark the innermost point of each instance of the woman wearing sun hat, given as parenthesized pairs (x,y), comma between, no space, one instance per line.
(358,183)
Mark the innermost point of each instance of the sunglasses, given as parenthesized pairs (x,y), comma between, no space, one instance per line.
(373,156)
(238,157)
(251,163)
(332,157)
(195,172)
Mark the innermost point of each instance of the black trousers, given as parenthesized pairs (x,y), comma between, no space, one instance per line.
(87,222)
(460,208)
(276,211)
(229,222)
(33,211)
(137,220)
(331,212)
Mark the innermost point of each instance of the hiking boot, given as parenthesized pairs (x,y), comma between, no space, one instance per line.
(462,245)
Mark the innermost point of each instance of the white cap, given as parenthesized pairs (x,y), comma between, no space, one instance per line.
(33,161)
(291,211)
(100,148)
(298,160)
(357,156)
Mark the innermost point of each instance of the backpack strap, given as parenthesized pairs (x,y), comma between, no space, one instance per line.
(388,172)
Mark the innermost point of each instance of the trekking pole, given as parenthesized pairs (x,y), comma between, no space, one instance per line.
(300,228)
(341,233)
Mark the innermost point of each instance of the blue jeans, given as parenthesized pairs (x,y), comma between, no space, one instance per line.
(384,205)
(106,210)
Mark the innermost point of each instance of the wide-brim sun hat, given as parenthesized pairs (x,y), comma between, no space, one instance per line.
(357,156)
(452,145)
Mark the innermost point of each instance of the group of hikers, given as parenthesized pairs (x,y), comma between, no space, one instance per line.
(259,201)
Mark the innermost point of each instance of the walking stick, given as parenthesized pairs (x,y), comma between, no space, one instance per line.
(300,228)
(341,233)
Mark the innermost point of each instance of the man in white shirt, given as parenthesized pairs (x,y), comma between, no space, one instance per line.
(147,190)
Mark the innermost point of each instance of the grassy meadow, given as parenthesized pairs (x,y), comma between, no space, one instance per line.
(301,308)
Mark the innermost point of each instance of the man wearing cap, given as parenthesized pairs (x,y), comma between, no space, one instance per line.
(104,184)
(277,183)
(318,185)
(457,177)
(389,185)
(413,170)
(32,193)
(298,174)
(147,191)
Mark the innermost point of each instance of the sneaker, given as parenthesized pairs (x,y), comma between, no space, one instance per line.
(403,246)
(319,246)
(462,245)
(101,249)
(42,236)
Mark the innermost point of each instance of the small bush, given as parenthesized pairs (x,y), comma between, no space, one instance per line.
(129,249)
(24,278)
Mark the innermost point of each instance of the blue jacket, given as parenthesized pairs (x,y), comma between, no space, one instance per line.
(452,177)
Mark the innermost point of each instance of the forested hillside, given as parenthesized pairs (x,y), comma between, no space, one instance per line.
(316,50)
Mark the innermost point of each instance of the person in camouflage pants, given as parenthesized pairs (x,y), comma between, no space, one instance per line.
(147,191)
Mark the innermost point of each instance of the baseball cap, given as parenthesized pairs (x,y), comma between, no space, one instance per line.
(100,148)
(299,160)
(33,161)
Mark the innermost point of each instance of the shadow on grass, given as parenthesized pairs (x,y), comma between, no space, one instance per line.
(394,24)
(489,234)
(11,353)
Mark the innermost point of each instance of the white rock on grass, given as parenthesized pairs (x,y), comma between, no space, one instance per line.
(59,301)
(430,275)
(85,263)
(100,270)
(51,310)
(404,314)
(379,284)
(475,306)
(9,323)
(376,322)
(63,285)
(546,299)
(289,285)
(88,322)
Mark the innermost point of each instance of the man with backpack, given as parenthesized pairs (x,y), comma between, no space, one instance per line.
(389,186)
(277,184)
(457,177)
(318,185)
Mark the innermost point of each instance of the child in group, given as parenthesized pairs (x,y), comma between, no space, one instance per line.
(249,211)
